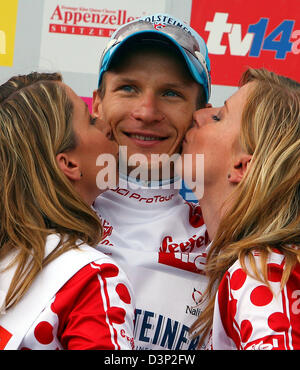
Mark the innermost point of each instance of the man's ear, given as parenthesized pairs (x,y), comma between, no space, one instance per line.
(97,104)
(69,166)
(239,168)
(102,125)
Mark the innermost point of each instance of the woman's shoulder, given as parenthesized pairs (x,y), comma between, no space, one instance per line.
(275,261)
(254,272)
(260,314)
(82,250)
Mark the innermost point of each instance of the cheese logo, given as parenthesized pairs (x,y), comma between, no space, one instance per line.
(8,19)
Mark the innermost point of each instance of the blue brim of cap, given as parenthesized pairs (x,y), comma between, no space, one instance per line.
(156,35)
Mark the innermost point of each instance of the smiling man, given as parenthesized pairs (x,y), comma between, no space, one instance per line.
(154,74)
(148,99)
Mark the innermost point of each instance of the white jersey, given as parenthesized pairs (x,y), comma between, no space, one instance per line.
(160,241)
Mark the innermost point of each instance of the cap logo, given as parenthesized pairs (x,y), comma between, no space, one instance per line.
(159,26)
(165,21)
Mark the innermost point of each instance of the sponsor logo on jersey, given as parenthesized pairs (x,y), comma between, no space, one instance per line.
(107,231)
(188,254)
(186,261)
(197,296)
(195,215)
(155,330)
(267,343)
(127,337)
(138,198)
(194,310)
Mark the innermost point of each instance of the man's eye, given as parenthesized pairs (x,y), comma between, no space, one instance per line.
(126,88)
(171,93)
(215,118)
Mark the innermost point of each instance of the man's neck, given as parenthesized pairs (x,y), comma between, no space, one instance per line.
(151,184)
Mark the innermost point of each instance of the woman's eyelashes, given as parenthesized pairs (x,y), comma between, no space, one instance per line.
(216,118)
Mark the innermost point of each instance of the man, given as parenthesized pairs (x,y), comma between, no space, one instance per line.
(154,74)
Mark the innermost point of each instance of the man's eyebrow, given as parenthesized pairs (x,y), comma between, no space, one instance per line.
(128,80)
(169,85)
(176,85)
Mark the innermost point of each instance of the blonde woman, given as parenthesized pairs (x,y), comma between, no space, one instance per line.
(251,206)
(57,291)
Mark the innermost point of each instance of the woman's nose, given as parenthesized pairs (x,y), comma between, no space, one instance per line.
(198,117)
(204,115)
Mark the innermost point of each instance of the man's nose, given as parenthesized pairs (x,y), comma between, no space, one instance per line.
(148,109)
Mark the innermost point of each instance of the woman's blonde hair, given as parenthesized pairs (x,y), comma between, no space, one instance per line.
(36,198)
(265,210)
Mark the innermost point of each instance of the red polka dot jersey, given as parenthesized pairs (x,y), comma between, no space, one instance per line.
(250,315)
(93,310)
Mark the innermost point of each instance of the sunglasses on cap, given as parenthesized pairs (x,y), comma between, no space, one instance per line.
(194,51)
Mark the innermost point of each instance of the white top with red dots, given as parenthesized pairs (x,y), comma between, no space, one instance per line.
(250,315)
(93,309)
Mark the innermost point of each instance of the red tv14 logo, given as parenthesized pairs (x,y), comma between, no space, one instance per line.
(249,34)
